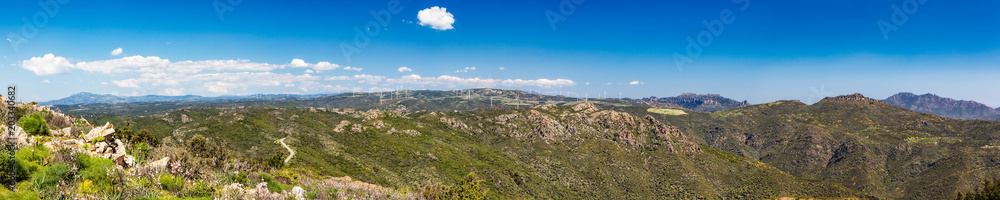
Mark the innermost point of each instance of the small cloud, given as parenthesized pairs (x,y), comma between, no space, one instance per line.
(116,52)
(46,81)
(353,68)
(607,84)
(437,18)
(588,83)
(636,83)
(299,63)
(466,70)
(104,83)
(309,71)
(501,68)
(404,69)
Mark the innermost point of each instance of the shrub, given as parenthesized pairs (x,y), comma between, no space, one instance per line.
(277,160)
(96,170)
(47,181)
(200,189)
(20,170)
(470,188)
(146,136)
(289,176)
(991,190)
(86,187)
(200,147)
(140,151)
(38,154)
(35,125)
(171,182)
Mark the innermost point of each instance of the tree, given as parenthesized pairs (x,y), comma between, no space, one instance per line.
(145,136)
(35,125)
(990,191)
(277,160)
(198,146)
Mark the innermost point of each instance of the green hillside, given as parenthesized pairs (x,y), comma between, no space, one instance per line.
(860,143)
(543,152)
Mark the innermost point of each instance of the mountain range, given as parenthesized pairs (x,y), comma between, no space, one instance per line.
(551,147)
(701,103)
(945,107)
(926,103)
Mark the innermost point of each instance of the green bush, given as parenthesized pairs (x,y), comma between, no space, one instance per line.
(20,194)
(990,190)
(32,158)
(277,160)
(171,182)
(46,182)
(96,170)
(140,151)
(272,185)
(21,171)
(470,188)
(35,125)
(201,147)
(200,189)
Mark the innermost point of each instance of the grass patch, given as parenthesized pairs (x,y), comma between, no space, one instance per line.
(666,111)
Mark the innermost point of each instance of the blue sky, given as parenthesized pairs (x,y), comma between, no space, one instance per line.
(763,51)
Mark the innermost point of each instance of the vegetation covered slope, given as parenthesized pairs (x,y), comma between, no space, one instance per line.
(861,143)
(542,152)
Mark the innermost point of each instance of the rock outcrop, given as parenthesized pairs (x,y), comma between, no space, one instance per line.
(19,135)
(102,131)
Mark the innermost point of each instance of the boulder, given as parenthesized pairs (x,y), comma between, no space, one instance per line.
(19,136)
(65,132)
(101,131)
(125,161)
(159,164)
(299,193)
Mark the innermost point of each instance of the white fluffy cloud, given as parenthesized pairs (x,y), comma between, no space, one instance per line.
(636,83)
(223,83)
(116,52)
(404,69)
(47,65)
(318,67)
(437,18)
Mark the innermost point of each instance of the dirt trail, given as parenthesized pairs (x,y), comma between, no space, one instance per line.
(282,141)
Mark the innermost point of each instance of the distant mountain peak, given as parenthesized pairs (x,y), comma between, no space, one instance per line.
(945,107)
(856,97)
(701,102)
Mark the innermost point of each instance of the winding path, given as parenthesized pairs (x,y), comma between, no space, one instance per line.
(282,141)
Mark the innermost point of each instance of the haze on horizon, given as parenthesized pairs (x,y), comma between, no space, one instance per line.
(759,51)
